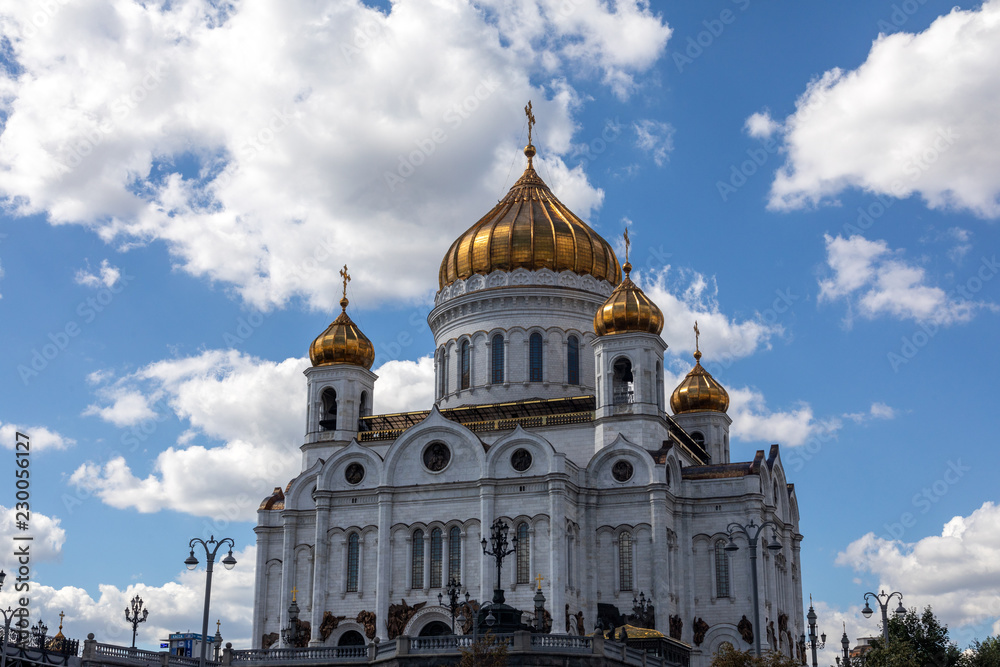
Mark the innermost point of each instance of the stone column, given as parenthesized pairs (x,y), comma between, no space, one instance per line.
(287,568)
(320,558)
(660,560)
(557,554)
(487,491)
(260,588)
(384,562)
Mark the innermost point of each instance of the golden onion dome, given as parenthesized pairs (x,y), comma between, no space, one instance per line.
(529,228)
(342,342)
(628,310)
(699,391)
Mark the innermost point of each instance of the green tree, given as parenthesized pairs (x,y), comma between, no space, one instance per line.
(487,652)
(915,641)
(983,654)
(730,657)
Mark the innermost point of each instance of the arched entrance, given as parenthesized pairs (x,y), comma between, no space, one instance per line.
(351,638)
(435,629)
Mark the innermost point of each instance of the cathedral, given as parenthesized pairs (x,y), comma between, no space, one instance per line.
(551,415)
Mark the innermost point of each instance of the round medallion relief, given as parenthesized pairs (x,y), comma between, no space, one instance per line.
(622,470)
(437,456)
(354,473)
(520,460)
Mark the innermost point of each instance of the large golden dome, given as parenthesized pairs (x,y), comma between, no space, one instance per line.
(342,342)
(699,392)
(627,310)
(529,228)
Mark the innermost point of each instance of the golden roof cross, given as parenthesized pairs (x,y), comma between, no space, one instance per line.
(538,580)
(628,244)
(531,120)
(61,614)
(347,278)
(218,626)
(696,335)
(294,591)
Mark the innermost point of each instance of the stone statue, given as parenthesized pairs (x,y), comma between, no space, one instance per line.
(746,629)
(771,638)
(399,616)
(468,610)
(367,619)
(700,628)
(676,627)
(329,624)
(546,621)
(567,618)
(268,640)
(579,623)
(783,622)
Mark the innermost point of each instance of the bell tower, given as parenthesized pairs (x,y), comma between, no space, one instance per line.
(699,404)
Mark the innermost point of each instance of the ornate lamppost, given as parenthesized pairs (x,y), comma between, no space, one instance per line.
(39,631)
(499,551)
(453,589)
(217,640)
(641,608)
(192,562)
(811,617)
(8,616)
(900,610)
(135,615)
(845,643)
(752,532)
(292,634)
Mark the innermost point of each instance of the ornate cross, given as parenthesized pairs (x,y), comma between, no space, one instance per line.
(628,244)
(294,591)
(61,614)
(531,120)
(538,580)
(347,278)
(218,626)
(696,335)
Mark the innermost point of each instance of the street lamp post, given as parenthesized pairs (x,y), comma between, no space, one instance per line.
(752,532)
(884,604)
(845,643)
(811,617)
(39,631)
(192,562)
(8,616)
(640,610)
(499,551)
(135,615)
(453,589)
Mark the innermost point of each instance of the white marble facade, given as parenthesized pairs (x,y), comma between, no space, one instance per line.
(619,503)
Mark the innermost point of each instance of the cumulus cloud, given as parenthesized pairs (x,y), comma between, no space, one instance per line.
(267,171)
(127,407)
(917,117)
(106,275)
(175,604)
(48,536)
(956,572)
(876,281)
(761,126)
(655,138)
(878,410)
(404,386)
(40,438)
(754,421)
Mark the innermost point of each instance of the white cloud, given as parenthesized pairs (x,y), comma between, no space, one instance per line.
(46,532)
(39,437)
(918,116)
(289,172)
(754,421)
(128,407)
(174,604)
(875,281)
(761,126)
(404,386)
(956,572)
(106,275)
(656,138)
(878,410)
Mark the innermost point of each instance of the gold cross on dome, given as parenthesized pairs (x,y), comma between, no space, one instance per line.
(347,278)
(628,244)
(696,335)
(538,579)
(294,591)
(531,120)
(218,626)
(61,614)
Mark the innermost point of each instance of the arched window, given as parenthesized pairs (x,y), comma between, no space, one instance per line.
(328,420)
(721,570)
(698,437)
(466,370)
(436,558)
(364,409)
(625,562)
(535,358)
(455,554)
(443,374)
(353,554)
(523,554)
(417,560)
(622,382)
(496,360)
(573,360)
(659,386)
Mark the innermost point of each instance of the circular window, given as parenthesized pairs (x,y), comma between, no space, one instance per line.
(622,470)
(520,460)
(354,473)
(436,456)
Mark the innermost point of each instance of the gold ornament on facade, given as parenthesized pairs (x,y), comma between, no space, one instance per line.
(628,309)
(699,391)
(531,229)
(342,342)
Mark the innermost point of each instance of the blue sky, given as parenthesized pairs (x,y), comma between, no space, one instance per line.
(816,183)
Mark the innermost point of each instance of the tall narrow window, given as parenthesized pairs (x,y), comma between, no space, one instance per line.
(436,558)
(496,360)
(417,560)
(364,409)
(353,553)
(523,554)
(465,370)
(721,570)
(535,358)
(455,554)
(622,381)
(659,386)
(573,360)
(443,374)
(328,420)
(625,562)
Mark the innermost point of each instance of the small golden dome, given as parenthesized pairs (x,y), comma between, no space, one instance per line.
(342,342)
(529,228)
(628,310)
(275,501)
(699,391)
